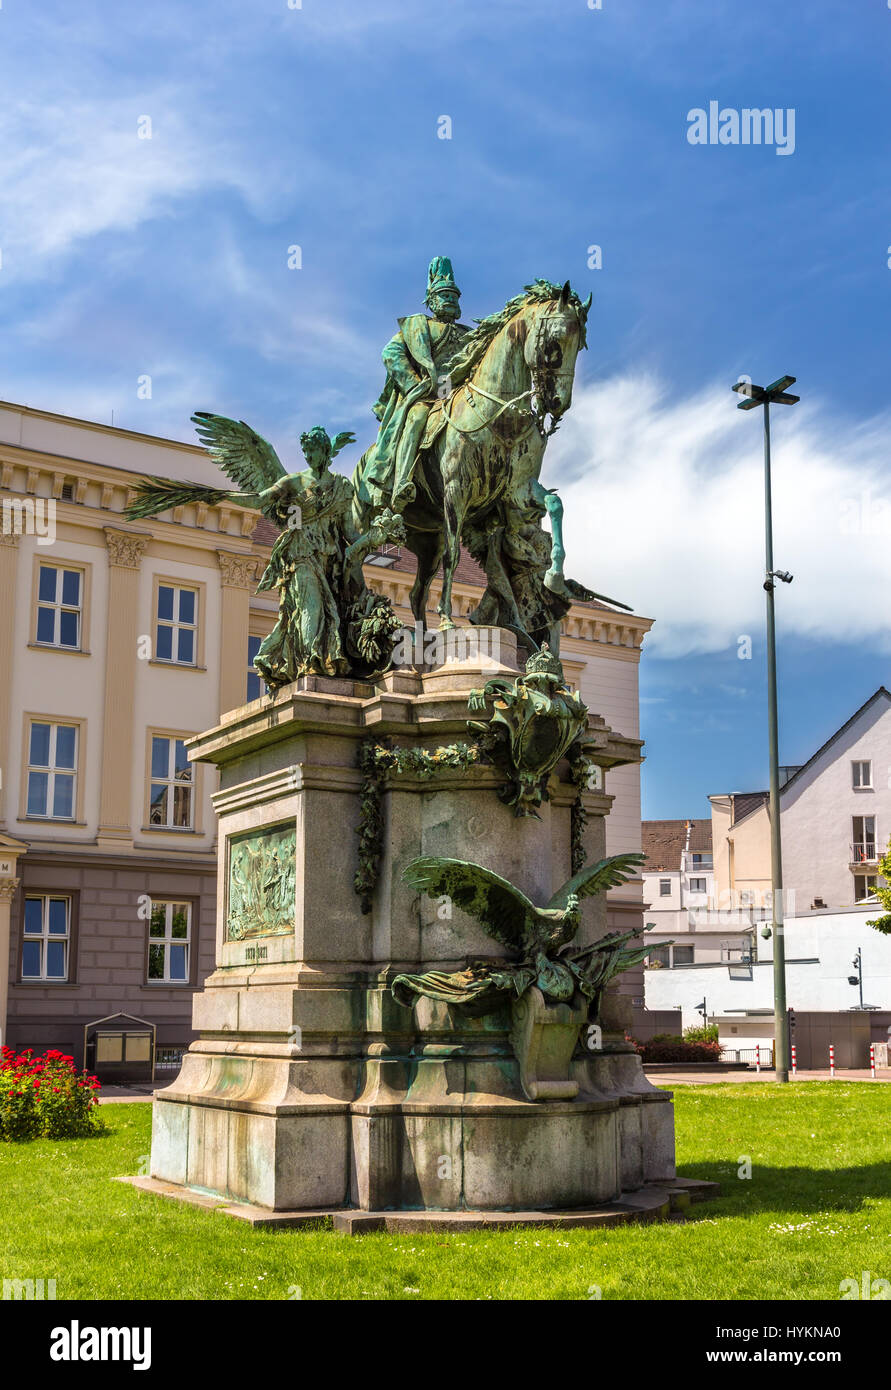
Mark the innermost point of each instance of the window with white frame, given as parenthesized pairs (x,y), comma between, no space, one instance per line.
(59,606)
(46,937)
(169,943)
(176,630)
(864,886)
(665,888)
(861,775)
(698,885)
(171,801)
(863,846)
(52,770)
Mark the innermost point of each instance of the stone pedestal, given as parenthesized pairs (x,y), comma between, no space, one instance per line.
(309,1086)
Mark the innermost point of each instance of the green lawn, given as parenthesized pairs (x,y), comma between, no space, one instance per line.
(816,1210)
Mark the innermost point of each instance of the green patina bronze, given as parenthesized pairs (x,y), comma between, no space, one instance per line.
(330,623)
(539,938)
(465,415)
(377,758)
(262,885)
(580,771)
(464,418)
(535,720)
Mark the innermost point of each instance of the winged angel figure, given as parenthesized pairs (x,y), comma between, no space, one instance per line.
(539,937)
(329,622)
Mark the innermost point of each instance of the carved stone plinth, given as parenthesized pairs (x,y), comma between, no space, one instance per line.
(310,1087)
(544,1035)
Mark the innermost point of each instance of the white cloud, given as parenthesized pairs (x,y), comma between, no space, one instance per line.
(72,169)
(664,510)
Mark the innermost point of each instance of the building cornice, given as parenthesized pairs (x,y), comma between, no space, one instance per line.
(603,627)
(103,491)
(96,427)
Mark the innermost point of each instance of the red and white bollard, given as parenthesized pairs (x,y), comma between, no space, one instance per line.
(794,1060)
(757,1056)
(872,1060)
(831,1061)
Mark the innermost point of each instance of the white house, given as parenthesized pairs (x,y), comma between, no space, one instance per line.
(821,947)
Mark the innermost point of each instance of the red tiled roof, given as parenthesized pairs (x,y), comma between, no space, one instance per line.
(265,533)
(663,841)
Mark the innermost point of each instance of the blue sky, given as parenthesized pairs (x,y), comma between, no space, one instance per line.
(317,127)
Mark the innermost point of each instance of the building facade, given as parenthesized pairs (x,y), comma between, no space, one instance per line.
(821,950)
(678,878)
(835,822)
(118,642)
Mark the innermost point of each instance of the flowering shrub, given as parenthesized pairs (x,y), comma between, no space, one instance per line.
(665,1048)
(45,1097)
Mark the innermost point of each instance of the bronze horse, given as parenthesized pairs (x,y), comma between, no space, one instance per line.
(486,437)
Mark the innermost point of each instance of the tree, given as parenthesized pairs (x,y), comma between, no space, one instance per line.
(883,924)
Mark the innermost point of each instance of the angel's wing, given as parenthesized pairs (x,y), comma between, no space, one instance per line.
(340,441)
(497,905)
(596,878)
(155,495)
(239,451)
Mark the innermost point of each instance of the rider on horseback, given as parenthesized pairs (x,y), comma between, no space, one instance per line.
(414,360)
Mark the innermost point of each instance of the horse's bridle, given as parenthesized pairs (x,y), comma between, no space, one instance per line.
(534,392)
(555,375)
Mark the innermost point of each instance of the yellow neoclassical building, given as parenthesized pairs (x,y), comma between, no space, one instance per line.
(118,642)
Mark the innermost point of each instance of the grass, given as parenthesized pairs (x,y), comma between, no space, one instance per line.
(816,1210)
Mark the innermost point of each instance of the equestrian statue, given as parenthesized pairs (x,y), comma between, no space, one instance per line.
(464,418)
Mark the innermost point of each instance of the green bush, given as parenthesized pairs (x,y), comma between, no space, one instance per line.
(45,1097)
(701,1034)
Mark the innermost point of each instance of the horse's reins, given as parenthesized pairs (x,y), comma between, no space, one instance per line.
(484,424)
(537,420)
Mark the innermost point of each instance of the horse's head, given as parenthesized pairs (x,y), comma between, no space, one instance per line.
(552,345)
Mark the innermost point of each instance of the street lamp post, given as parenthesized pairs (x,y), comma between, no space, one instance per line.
(776,394)
(858,978)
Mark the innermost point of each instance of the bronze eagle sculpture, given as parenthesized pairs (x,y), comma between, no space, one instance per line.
(539,938)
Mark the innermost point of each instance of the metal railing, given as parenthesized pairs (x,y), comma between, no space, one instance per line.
(864,852)
(749,1054)
(169,1058)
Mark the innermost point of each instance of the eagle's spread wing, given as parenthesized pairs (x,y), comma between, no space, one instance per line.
(239,451)
(499,907)
(597,878)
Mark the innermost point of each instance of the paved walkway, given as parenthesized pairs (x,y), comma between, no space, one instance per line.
(713,1078)
(144,1092)
(117,1094)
